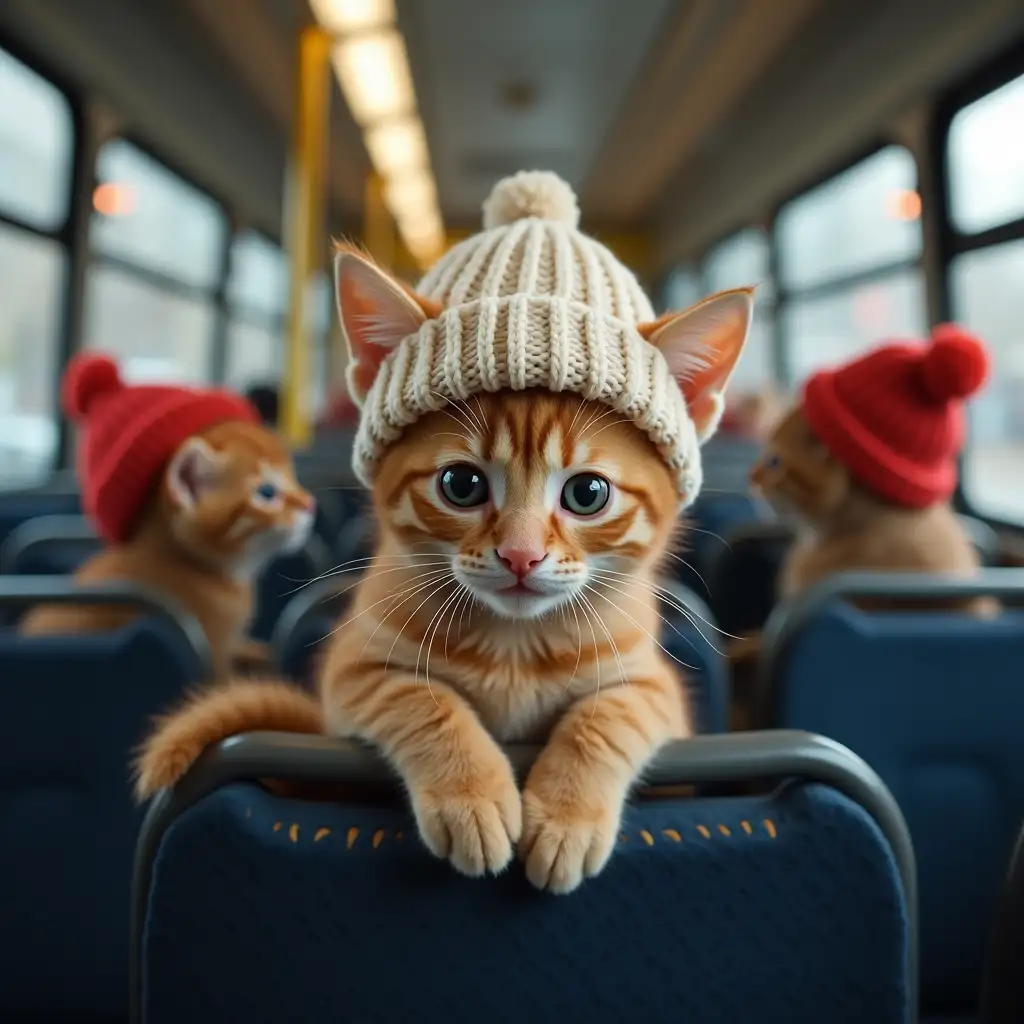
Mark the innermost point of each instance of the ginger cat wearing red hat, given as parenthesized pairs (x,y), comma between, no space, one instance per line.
(530,433)
(867,462)
(192,496)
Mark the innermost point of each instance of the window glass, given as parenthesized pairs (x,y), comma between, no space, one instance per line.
(36,144)
(683,287)
(31,283)
(868,216)
(155,334)
(986,160)
(255,354)
(989,300)
(739,260)
(259,274)
(829,329)
(145,214)
(755,368)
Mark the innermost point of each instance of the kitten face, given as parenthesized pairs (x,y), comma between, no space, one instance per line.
(233,499)
(530,497)
(797,475)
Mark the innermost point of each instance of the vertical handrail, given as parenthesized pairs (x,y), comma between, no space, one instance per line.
(304,209)
(378,227)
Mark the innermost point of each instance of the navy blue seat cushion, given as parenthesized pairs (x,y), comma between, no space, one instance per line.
(17,508)
(933,703)
(785,908)
(711,517)
(71,710)
(695,649)
(56,556)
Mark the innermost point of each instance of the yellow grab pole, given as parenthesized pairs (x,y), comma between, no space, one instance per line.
(378,227)
(304,208)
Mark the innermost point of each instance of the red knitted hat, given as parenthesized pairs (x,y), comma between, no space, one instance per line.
(131,433)
(894,417)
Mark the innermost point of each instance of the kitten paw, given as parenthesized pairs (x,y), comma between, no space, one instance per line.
(563,844)
(475,826)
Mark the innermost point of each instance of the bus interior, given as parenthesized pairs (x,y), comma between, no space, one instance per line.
(837,841)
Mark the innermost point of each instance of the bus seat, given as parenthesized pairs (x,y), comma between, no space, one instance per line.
(933,702)
(20,506)
(282,579)
(743,574)
(797,906)
(52,545)
(71,711)
(711,518)
(691,641)
(1002,992)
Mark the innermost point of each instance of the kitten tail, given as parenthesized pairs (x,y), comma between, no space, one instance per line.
(211,716)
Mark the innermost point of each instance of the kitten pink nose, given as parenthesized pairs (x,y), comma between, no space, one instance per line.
(521,561)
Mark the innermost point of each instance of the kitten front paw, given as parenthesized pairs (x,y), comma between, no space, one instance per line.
(565,842)
(475,823)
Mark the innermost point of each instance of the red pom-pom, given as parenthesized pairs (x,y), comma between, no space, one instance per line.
(88,377)
(955,366)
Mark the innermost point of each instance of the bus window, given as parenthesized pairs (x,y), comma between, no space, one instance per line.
(36,145)
(743,259)
(682,288)
(158,334)
(158,247)
(257,299)
(986,160)
(985,148)
(847,253)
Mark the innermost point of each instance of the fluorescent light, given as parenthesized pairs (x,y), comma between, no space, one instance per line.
(353,15)
(412,194)
(397,146)
(374,74)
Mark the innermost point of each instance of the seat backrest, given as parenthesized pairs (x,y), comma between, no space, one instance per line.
(932,701)
(797,906)
(689,638)
(1002,990)
(54,545)
(72,709)
(743,573)
(711,518)
(21,506)
(282,579)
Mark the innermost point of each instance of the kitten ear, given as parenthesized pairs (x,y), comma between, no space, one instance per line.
(194,470)
(376,313)
(702,346)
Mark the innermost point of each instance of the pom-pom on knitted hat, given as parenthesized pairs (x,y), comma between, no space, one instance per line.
(894,417)
(532,302)
(131,433)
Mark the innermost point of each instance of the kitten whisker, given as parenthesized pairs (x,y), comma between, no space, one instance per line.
(614,646)
(395,604)
(436,590)
(428,638)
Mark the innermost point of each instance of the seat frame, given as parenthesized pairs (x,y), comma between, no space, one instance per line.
(746,757)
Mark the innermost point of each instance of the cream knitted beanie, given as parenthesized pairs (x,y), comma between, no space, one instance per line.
(529,303)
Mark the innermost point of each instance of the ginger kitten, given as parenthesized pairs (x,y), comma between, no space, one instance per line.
(227,504)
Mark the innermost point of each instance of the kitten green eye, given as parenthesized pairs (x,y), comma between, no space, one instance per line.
(585,494)
(464,486)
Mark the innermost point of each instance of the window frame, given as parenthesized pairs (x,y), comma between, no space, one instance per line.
(823,289)
(71,235)
(952,243)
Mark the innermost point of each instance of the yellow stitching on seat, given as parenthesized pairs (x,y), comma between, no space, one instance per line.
(377,837)
(724,829)
(293,833)
(672,834)
(703,830)
(353,835)
(277,826)
(747,828)
(769,827)
(321,833)
(646,837)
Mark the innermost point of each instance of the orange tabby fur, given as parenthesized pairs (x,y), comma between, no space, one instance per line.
(848,527)
(439,661)
(201,547)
